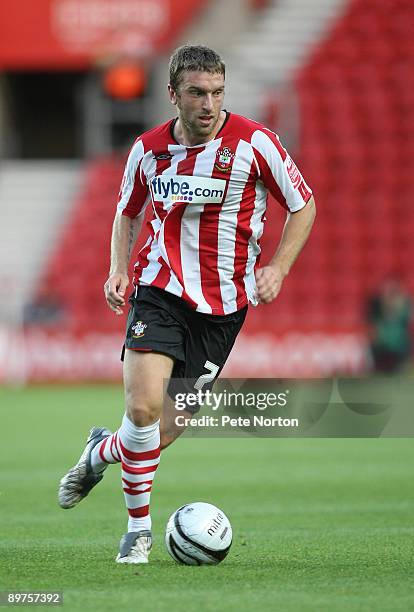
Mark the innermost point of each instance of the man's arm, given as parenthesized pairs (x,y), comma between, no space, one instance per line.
(269,279)
(124,236)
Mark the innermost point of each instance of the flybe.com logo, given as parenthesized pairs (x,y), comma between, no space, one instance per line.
(176,188)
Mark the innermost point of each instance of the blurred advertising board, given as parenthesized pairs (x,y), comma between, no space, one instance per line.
(39,355)
(74,34)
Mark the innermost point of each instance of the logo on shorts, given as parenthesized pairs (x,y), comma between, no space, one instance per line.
(139,329)
(224,159)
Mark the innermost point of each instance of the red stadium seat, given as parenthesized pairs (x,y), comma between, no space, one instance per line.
(79,267)
(356,97)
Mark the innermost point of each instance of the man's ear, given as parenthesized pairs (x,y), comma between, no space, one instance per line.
(172,95)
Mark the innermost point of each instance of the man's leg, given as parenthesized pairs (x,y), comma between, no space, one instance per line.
(138,446)
(102,450)
(169,430)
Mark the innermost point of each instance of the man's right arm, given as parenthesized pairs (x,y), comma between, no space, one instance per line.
(125,231)
(133,198)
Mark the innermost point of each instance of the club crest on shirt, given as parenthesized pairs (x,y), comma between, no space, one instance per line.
(224,159)
(139,329)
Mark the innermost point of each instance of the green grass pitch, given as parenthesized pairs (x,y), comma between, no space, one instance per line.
(319,524)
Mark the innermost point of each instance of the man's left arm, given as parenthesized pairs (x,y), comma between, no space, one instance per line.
(269,279)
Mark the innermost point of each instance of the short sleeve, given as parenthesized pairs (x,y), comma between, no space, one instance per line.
(134,193)
(279,172)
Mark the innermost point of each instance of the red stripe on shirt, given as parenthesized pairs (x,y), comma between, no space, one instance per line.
(208,256)
(269,180)
(172,242)
(143,260)
(243,234)
(186,166)
(208,244)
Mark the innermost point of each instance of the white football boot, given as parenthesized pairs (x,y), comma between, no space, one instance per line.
(135,547)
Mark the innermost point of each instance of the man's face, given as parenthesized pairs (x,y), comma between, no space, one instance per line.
(199,100)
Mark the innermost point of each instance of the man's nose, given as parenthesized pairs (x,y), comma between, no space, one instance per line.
(208,102)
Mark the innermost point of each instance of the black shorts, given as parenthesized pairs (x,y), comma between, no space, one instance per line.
(199,343)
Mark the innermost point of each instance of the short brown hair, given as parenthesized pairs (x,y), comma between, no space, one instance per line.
(190,58)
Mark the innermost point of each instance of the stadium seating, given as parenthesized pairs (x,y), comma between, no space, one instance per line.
(78,269)
(357,144)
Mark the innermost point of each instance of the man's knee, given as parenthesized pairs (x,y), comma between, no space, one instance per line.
(140,411)
(144,375)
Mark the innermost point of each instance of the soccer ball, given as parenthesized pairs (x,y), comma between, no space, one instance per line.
(198,534)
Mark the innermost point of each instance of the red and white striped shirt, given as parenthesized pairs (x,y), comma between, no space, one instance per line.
(208,206)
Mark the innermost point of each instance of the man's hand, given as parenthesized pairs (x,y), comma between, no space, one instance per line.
(114,289)
(269,281)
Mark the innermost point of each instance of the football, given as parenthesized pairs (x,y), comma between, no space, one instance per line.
(198,534)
